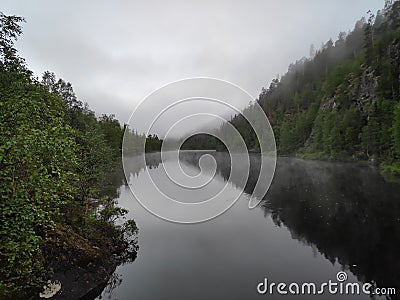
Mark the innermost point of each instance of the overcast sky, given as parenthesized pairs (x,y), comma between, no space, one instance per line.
(116,52)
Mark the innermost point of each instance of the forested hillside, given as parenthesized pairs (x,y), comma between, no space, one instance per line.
(343,101)
(55,156)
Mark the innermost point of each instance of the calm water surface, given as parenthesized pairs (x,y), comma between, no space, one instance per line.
(317,219)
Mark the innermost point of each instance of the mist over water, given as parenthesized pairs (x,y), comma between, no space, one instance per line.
(317,218)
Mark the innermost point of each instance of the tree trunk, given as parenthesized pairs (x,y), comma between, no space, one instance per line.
(86,206)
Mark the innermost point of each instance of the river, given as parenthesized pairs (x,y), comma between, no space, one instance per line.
(317,219)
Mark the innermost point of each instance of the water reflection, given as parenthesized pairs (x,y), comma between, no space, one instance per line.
(113,283)
(345,211)
(347,214)
(111,190)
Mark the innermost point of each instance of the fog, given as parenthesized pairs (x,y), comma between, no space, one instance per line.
(115,53)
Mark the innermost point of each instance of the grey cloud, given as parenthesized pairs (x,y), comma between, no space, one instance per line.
(116,52)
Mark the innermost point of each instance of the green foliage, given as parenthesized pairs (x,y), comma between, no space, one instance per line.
(37,157)
(134,143)
(286,137)
(153,143)
(36,166)
(396,131)
(341,103)
(112,131)
(110,212)
(54,155)
(340,72)
(377,138)
(10,30)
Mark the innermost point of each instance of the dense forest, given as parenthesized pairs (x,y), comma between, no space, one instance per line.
(343,102)
(56,157)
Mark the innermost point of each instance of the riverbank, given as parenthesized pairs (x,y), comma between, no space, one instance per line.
(76,265)
(78,268)
(390,171)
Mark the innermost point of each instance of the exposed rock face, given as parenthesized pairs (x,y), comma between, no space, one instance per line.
(78,267)
(84,282)
(356,90)
(366,93)
(394,50)
(359,91)
(329,105)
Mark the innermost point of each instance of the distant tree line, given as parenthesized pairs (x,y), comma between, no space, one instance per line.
(135,143)
(203,142)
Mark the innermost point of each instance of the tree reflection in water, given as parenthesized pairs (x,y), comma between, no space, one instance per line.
(111,189)
(345,211)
